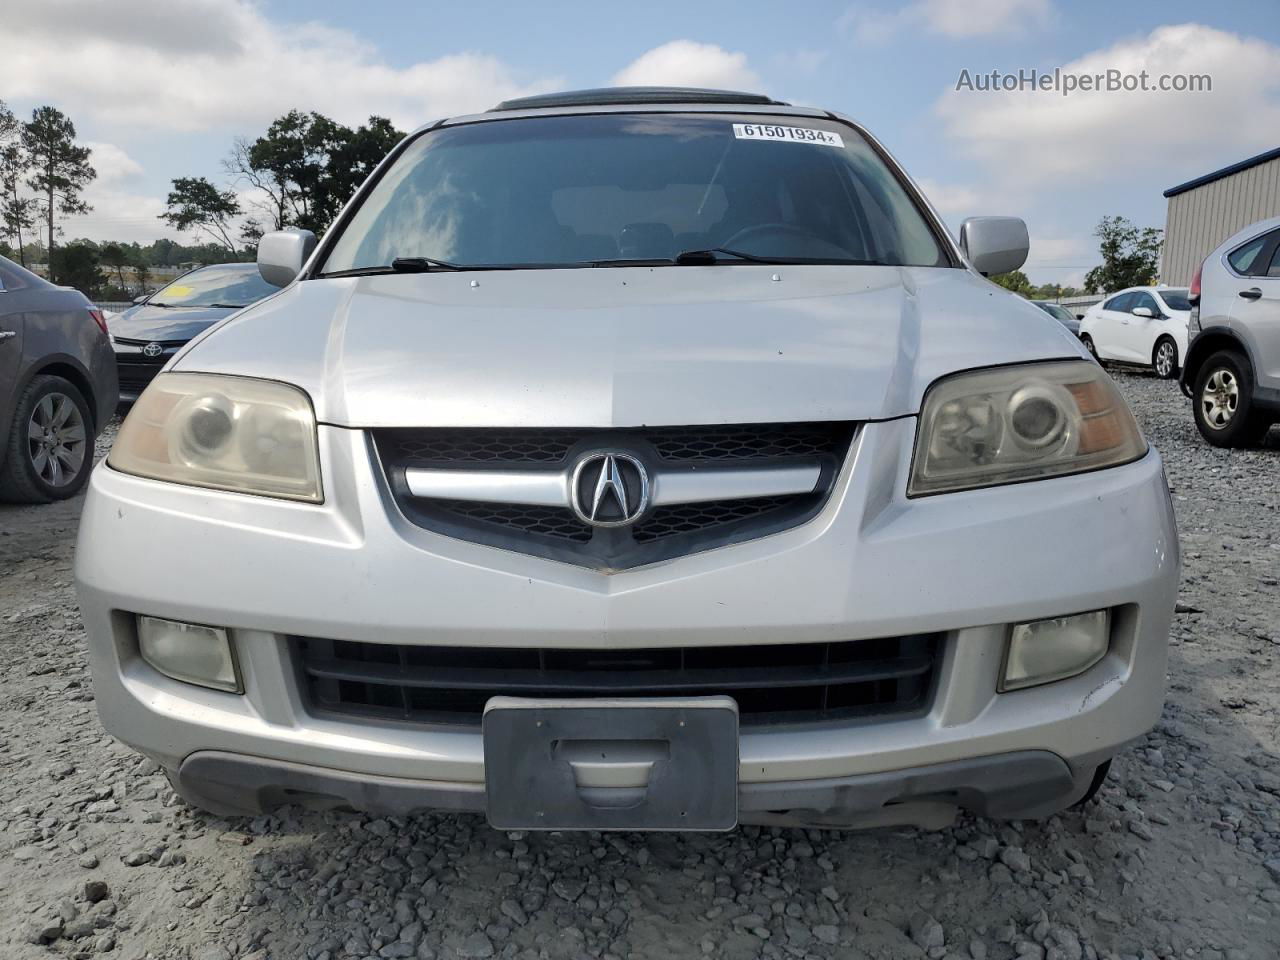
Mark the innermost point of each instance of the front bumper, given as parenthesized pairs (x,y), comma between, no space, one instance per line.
(871,564)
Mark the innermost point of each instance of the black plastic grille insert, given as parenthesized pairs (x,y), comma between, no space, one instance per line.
(774,683)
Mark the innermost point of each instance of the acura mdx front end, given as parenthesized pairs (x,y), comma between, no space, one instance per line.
(641,459)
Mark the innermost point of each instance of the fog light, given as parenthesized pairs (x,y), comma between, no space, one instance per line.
(188,652)
(1046,650)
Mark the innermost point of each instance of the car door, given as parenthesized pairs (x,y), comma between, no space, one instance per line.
(1138,334)
(1106,328)
(11,329)
(1255,309)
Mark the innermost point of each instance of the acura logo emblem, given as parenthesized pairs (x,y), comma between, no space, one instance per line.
(609,489)
(153,350)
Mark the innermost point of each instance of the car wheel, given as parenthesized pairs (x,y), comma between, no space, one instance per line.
(1223,399)
(50,449)
(1099,778)
(1164,359)
(1088,345)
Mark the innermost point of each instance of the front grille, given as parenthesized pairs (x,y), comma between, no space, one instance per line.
(661,533)
(772,684)
(753,441)
(136,377)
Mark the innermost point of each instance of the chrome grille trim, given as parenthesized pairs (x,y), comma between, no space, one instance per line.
(669,487)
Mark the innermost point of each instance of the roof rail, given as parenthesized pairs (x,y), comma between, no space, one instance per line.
(607,96)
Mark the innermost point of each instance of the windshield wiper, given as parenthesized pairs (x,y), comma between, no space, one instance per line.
(229,306)
(422,265)
(153,303)
(713,255)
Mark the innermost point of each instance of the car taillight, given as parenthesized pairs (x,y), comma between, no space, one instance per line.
(98,318)
(1193,294)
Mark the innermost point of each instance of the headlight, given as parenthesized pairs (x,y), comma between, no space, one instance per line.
(229,433)
(1025,422)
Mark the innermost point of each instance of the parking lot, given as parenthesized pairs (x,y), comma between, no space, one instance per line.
(1179,857)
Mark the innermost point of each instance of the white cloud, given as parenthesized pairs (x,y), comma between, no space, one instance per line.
(1030,139)
(191,65)
(684,63)
(951,198)
(950,18)
(111,162)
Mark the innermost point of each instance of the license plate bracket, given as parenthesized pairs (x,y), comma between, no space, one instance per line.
(668,764)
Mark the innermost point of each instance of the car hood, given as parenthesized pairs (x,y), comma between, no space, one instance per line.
(165,324)
(603,347)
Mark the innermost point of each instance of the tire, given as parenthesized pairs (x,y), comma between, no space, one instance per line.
(1164,359)
(1223,402)
(50,450)
(1088,345)
(1099,777)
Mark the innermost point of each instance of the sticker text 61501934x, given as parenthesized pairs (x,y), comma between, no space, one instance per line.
(772,131)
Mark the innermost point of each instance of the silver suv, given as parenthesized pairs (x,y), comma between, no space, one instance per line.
(634,459)
(1232,373)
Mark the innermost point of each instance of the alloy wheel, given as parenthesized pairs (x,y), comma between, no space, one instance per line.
(1165,359)
(56,438)
(1219,398)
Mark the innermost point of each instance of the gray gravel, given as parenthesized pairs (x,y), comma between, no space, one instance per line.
(1179,857)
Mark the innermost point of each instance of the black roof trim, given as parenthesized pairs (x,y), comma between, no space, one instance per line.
(1224,172)
(609,96)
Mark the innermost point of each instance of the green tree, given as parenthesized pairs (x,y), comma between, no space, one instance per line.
(17,213)
(76,265)
(305,167)
(1130,255)
(60,169)
(195,203)
(141,274)
(1016,281)
(117,257)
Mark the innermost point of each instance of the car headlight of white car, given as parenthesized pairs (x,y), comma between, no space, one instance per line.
(1026,422)
(228,433)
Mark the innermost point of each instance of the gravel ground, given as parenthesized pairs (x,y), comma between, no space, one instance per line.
(1179,856)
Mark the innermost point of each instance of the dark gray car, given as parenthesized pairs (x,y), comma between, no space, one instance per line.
(1061,314)
(147,335)
(57,386)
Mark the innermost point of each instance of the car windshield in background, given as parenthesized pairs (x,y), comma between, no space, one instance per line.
(227,285)
(603,190)
(1176,299)
(1062,313)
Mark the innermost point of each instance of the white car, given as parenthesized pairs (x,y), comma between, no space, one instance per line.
(634,459)
(1142,325)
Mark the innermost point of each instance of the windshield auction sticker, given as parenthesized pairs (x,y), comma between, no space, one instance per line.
(770,131)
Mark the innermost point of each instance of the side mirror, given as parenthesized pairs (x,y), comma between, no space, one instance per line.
(141,298)
(1146,312)
(995,244)
(282,253)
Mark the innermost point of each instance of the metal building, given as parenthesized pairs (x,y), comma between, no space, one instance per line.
(1205,211)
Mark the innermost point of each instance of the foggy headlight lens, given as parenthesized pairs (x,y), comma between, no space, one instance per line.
(1046,650)
(1025,422)
(189,652)
(230,433)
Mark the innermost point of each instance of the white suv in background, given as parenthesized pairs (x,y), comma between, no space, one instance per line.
(1232,372)
(1141,325)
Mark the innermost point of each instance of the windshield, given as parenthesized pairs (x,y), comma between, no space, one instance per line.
(578,190)
(1176,299)
(225,285)
(1062,313)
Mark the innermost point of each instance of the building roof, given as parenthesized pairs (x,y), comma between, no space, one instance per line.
(1224,172)
(604,96)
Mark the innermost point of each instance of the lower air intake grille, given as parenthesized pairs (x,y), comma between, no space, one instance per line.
(777,683)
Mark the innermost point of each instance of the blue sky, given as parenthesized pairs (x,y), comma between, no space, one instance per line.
(160,90)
